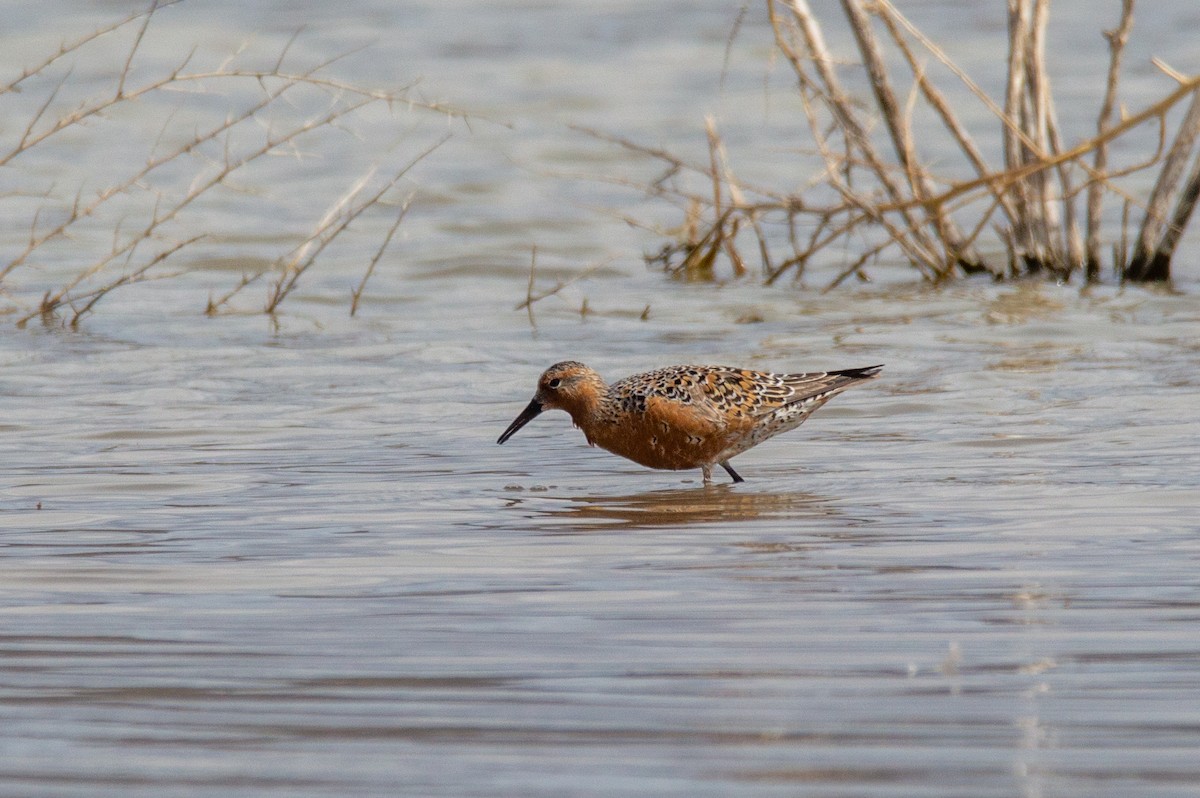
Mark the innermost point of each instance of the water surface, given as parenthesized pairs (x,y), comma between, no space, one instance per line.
(246,556)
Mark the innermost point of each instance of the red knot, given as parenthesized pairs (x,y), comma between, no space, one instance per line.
(685,416)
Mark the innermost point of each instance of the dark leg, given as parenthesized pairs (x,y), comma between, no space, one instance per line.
(732,473)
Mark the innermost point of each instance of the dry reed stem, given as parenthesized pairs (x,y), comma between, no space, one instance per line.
(900,130)
(1024,242)
(1038,120)
(841,106)
(1121,256)
(723,175)
(1070,252)
(1059,233)
(1155,242)
(893,20)
(920,251)
(1117,38)
(1032,146)
(976,90)
(1184,207)
(921,258)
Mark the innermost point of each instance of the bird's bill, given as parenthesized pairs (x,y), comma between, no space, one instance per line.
(531,411)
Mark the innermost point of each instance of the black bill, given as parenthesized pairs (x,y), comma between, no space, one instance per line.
(532,411)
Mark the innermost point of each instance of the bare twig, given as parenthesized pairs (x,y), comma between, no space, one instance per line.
(336,219)
(70,47)
(137,275)
(214,305)
(90,298)
(893,20)
(899,129)
(137,42)
(357,293)
(529,288)
(531,298)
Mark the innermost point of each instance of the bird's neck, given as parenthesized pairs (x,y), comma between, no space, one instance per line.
(593,407)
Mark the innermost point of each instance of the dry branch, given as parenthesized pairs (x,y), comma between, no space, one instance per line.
(356,295)
(889,200)
(1117,39)
(348,208)
(143,240)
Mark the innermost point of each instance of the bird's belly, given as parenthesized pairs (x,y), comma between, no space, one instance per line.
(659,446)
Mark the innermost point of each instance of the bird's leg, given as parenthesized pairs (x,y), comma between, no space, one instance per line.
(732,473)
(707,469)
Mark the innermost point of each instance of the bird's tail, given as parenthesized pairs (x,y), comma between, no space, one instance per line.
(867,373)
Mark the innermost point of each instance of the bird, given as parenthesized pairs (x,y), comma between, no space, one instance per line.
(683,417)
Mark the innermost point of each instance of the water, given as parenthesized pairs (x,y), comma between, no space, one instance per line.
(245,556)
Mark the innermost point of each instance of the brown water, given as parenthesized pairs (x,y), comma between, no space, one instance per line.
(243,557)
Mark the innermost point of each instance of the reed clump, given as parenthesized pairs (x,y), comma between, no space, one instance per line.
(215,126)
(878,195)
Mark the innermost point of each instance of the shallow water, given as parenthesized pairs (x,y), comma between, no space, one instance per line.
(255,557)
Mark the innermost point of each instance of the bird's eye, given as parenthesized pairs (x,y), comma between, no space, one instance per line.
(554,383)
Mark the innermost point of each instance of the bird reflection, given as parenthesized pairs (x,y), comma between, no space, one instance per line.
(666,508)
